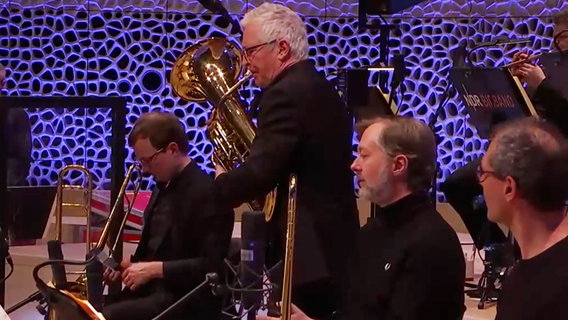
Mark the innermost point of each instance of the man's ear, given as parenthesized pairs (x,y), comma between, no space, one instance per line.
(510,188)
(172,146)
(283,48)
(400,164)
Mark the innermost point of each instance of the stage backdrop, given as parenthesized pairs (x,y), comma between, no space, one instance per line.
(127,48)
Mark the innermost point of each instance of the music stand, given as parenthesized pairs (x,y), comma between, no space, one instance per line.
(364,101)
(491,96)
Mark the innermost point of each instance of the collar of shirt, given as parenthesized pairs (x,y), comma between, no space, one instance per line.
(175,180)
(404,209)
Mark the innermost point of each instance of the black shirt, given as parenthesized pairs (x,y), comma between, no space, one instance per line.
(537,288)
(159,218)
(551,104)
(410,266)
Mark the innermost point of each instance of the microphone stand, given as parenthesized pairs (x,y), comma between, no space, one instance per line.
(36,296)
(432,123)
(210,280)
(400,73)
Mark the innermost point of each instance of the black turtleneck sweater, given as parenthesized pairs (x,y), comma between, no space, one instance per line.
(537,288)
(409,265)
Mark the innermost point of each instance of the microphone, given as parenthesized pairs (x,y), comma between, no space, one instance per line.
(503,41)
(215,6)
(253,229)
(95,284)
(54,253)
(495,42)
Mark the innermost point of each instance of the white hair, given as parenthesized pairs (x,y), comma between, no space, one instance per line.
(280,23)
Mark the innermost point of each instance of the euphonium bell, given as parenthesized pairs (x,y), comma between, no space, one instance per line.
(212,70)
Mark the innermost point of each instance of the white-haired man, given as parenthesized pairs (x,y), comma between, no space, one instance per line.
(409,263)
(303,128)
(525,182)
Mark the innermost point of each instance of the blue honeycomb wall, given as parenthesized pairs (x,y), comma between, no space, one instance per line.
(126,48)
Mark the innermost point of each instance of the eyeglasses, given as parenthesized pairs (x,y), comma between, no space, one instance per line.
(146,161)
(250,50)
(560,36)
(482,174)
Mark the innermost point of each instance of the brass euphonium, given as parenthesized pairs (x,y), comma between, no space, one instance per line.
(209,70)
(110,234)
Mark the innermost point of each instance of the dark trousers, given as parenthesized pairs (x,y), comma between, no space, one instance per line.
(317,299)
(143,305)
(462,189)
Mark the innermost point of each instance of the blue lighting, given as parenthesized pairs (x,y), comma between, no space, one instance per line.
(123,51)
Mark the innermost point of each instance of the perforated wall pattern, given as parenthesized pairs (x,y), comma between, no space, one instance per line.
(127,48)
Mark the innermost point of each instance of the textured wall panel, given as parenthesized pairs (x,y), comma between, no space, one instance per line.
(90,50)
(321,8)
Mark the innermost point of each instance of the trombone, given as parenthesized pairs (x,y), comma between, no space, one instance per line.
(85,205)
(557,49)
(110,234)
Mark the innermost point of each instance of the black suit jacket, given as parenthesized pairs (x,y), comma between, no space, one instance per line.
(195,241)
(303,128)
(552,105)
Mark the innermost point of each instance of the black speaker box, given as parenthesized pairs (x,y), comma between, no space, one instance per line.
(385,6)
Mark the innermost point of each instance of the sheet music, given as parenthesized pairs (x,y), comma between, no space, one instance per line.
(3,315)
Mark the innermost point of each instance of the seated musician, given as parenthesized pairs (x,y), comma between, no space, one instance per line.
(409,263)
(525,181)
(461,187)
(547,96)
(186,234)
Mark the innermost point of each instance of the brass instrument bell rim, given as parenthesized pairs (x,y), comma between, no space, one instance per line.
(188,55)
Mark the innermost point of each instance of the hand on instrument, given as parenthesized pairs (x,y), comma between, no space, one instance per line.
(532,75)
(297,314)
(125,263)
(209,120)
(520,55)
(219,170)
(140,273)
(111,275)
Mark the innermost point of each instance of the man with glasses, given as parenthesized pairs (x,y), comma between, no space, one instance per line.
(303,128)
(461,188)
(525,182)
(186,233)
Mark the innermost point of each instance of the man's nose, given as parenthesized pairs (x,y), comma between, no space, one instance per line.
(145,168)
(355,165)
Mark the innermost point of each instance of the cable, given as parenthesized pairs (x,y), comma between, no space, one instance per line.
(41,285)
(9,273)
(5,254)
